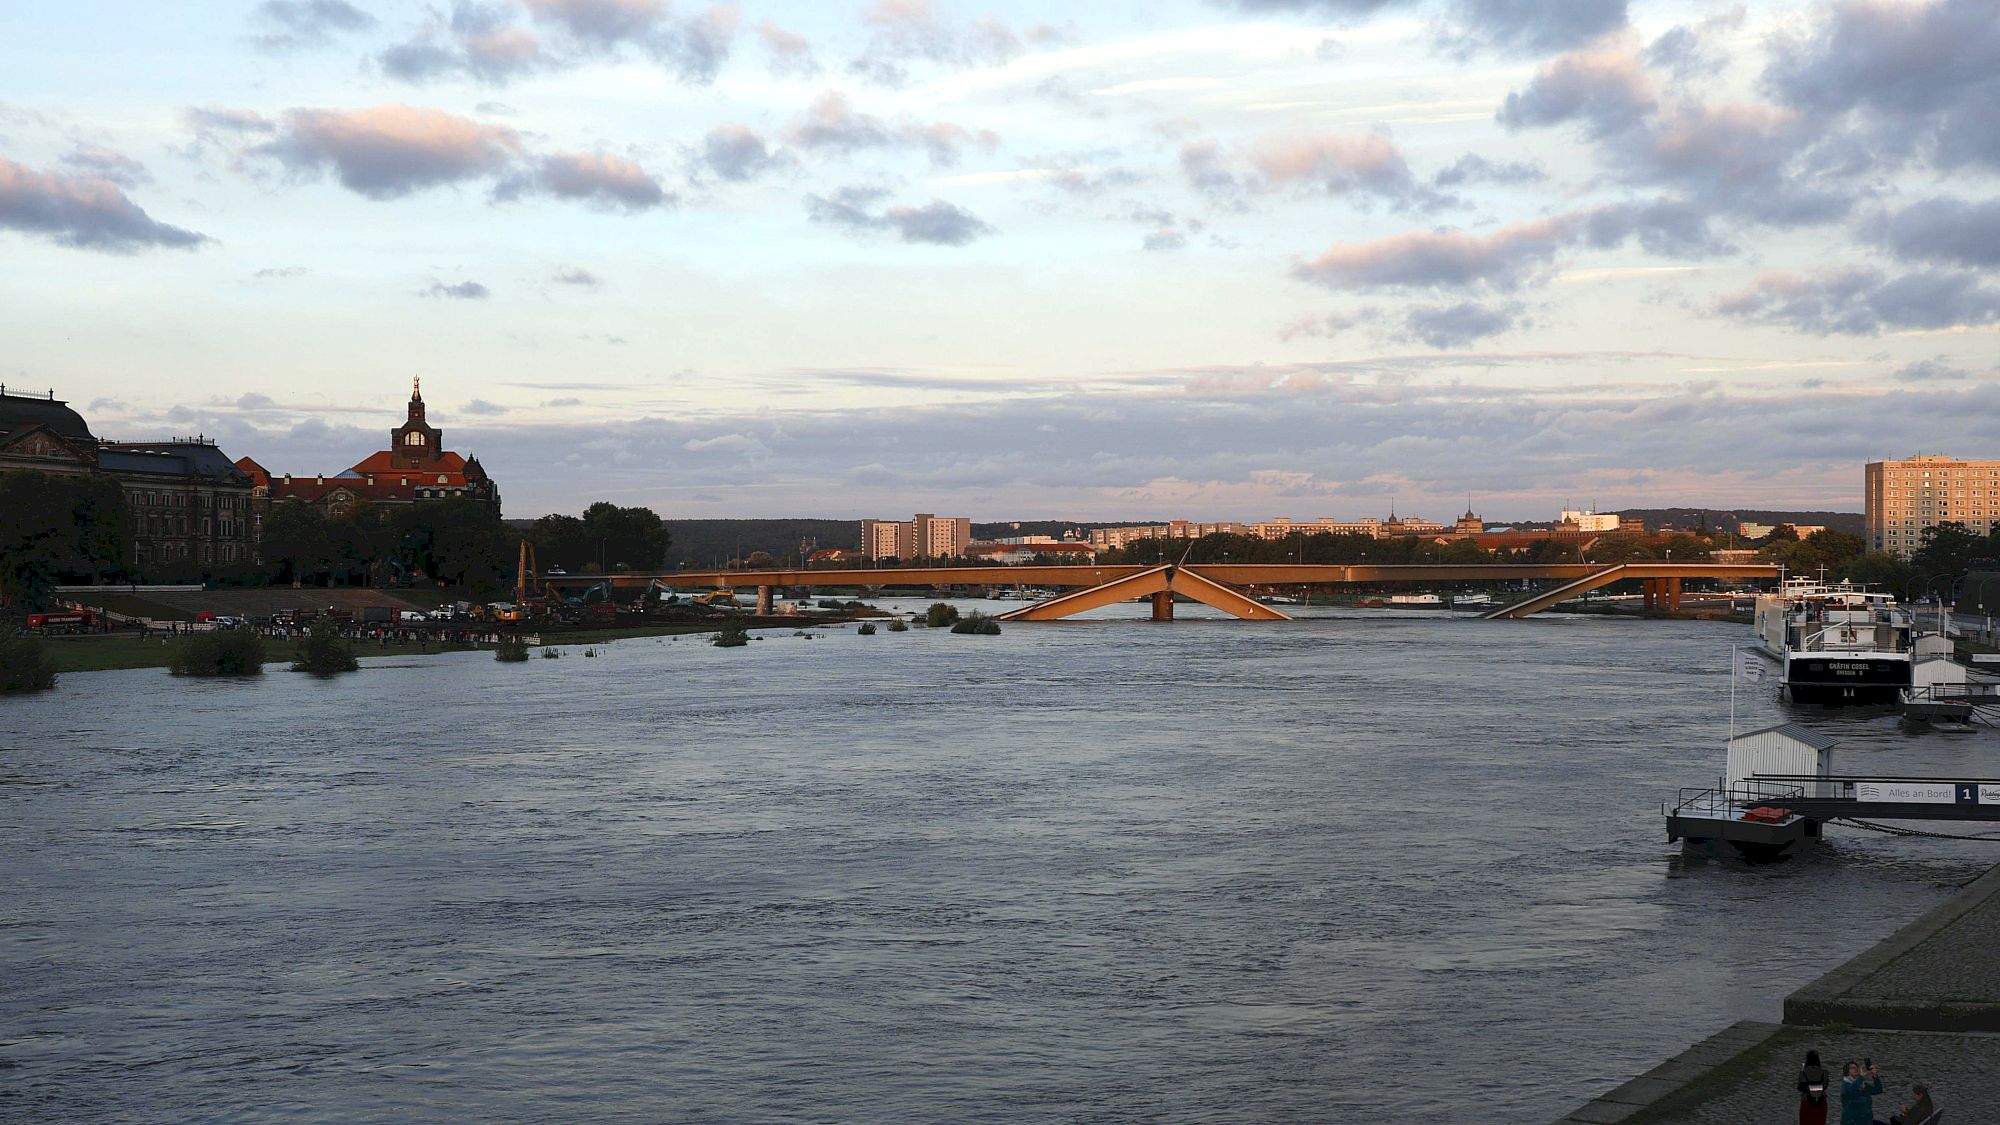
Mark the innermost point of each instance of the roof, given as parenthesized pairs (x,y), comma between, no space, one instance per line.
(1796,733)
(388,486)
(22,412)
(172,458)
(384,462)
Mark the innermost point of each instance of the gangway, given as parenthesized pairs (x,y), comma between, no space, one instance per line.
(1888,797)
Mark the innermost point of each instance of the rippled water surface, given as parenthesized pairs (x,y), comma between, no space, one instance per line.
(1394,868)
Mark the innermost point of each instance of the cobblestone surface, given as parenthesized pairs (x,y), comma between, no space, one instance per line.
(1963,1072)
(1960,963)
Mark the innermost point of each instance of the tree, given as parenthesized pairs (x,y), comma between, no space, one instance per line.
(1783,533)
(1836,548)
(297,539)
(1947,548)
(1620,549)
(325,652)
(634,537)
(460,541)
(1883,570)
(562,541)
(57,526)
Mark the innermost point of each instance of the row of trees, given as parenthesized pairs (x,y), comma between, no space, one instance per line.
(457,541)
(56,529)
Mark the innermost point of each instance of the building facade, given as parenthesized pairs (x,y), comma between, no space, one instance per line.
(190,507)
(415,467)
(1591,521)
(1902,498)
(923,536)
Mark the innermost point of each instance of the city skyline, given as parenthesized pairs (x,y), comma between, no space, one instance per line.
(1185,260)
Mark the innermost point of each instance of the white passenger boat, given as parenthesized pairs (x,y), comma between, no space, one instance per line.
(1836,643)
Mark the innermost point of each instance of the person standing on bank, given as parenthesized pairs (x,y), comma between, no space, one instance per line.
(1859,1083)
(1813,1081)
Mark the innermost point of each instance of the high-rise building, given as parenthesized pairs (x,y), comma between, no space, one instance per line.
(923,537)
(1902,498)
(1591,521)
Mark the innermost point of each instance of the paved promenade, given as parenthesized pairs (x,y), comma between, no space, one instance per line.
(1924,1004)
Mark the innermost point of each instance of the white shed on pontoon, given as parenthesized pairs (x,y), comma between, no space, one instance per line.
(1788,750)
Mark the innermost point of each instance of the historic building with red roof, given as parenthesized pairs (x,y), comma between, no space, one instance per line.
(415,467)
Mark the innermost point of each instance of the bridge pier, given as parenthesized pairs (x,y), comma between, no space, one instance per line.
(763,601)
(1163,605)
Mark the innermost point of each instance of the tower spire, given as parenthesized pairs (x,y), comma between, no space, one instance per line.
(416,386)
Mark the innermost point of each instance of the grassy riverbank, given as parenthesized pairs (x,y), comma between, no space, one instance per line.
(106,653)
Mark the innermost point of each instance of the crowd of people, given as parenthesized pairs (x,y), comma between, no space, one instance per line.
(1859,1084)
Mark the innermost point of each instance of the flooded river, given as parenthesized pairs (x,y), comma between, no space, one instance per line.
(1363,866)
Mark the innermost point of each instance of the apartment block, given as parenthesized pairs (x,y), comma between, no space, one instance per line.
(924,536)
(1902,498)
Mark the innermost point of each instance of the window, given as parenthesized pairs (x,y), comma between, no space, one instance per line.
(414,439)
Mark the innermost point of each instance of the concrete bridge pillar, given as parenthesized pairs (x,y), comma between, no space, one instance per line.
(763,601)
(1163,605)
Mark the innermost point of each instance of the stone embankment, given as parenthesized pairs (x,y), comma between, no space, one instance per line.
(1924,1004)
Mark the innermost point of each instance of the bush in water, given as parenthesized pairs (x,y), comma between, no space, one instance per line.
(940,614)
(223,652)
(24,666)
(325,652)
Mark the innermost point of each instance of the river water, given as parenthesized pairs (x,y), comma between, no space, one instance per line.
(1363,866)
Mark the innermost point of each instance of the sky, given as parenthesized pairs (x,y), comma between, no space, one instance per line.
(1212,259)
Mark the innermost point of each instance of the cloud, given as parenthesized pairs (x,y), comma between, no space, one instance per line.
(1864,302)
(1767,163)
(479,40)
(83,213)
(694,48)
(1540,25)
(737,443)
(1921,74)
(1338,164)
(290,24)
(1473,168)
(831,123)
(1169,231)
(577,276)
(461,291)
(599,178)
(1944,229)
(791,53)
(390,150)
(1606,88)
(735,152)
(481,406)
(254,401)
(1509,25)
(275,273)
(1930,370)
(1455,326)
(937,222)
(1441,259)
(907,30)
(99,163)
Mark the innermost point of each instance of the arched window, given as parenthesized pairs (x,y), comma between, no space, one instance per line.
(414,439)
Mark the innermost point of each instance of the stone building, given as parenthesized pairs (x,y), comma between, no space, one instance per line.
(416,466)
(190,507)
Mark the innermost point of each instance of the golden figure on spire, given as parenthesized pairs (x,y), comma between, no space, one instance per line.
(416,386)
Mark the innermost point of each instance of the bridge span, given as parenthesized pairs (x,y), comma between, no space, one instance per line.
(1221,585)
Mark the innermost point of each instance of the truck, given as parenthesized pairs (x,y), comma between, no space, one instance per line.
(65,621)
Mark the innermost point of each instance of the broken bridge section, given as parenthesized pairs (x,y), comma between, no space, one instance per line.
(1161,583)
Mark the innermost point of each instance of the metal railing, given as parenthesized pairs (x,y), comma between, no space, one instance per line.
(1723,801)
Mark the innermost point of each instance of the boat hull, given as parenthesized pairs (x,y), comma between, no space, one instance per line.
(1845,679)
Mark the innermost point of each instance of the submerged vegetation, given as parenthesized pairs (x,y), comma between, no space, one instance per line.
(223,652)
(325,652)
(941,614)
(512,649)
(979,623)
(898,625)
(731,635)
